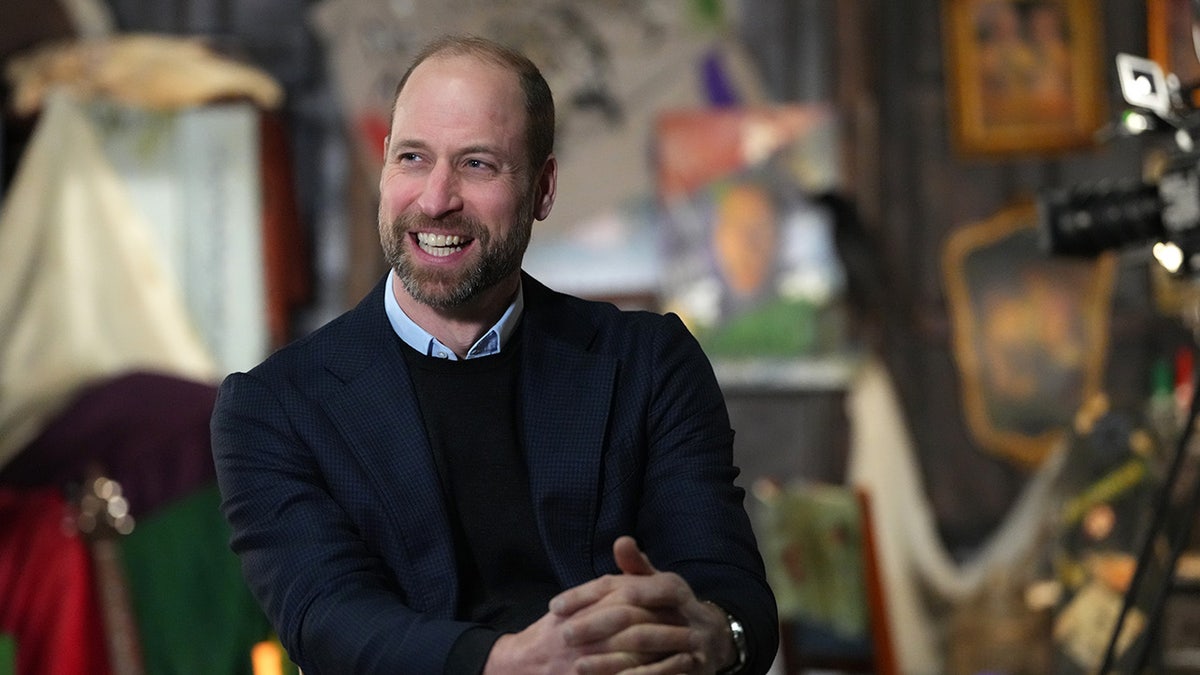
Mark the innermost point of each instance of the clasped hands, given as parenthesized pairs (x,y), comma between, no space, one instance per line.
(639,622)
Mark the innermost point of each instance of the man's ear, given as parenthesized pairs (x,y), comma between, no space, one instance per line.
(547,186)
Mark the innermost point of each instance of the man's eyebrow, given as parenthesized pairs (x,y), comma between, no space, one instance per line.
(417,144)
(408,143)
(481,150)
(491,154)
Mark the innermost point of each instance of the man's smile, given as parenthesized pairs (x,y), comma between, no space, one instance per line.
(441,245)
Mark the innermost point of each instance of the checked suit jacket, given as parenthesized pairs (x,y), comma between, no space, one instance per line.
(341,524)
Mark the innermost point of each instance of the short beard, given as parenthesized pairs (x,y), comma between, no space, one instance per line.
(440,289)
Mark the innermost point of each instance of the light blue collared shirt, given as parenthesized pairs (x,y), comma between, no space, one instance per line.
(419,339)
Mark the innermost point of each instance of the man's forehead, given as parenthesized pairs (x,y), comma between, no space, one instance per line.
(462,78)
(462,82)
(467,61)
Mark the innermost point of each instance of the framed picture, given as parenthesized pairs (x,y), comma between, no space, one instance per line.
(1169,28)
(748,257)
(1030,333)
(1024,76)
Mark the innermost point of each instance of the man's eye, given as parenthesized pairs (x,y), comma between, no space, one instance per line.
(408,157)
(478,164)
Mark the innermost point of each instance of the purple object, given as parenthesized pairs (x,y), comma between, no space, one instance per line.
(716,82)
(147,431)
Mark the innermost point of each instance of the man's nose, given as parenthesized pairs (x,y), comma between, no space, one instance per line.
(440,195)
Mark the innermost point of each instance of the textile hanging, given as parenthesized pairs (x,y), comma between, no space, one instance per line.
(147,431)
(913,557)
(84,294)
(194,611)
(49,607)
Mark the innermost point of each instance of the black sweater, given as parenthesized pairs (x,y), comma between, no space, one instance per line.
(470,411)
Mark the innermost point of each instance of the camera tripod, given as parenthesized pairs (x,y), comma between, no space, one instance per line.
(1137,629)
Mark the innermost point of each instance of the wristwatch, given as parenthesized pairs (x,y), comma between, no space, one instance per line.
(739,643)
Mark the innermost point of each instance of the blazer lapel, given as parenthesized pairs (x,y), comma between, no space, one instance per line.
(377,414)
(566,399)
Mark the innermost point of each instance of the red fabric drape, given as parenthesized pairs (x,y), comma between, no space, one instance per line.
(47,600)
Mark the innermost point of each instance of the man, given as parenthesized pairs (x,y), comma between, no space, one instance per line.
(469,472)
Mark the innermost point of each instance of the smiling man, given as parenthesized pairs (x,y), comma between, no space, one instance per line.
(470,472)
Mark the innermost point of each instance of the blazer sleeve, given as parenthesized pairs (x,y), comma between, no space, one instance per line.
(331,598)
(692,518)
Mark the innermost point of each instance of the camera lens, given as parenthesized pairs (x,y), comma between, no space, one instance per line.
(1088,220)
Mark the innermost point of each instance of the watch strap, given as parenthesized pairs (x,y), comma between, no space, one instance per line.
(738,634)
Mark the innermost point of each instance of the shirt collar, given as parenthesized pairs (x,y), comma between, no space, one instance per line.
(419,339)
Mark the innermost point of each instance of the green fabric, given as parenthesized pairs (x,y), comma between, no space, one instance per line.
(194,612)
(8,654)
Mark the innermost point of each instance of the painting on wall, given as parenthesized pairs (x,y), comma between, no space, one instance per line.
(1169,36)
(1030,333)
(748,256)
(1024,76)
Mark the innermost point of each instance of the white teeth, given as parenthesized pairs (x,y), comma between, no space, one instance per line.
(439,244)
(439,239)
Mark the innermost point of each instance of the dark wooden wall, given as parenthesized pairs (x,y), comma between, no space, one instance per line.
(884,62)
(919,191)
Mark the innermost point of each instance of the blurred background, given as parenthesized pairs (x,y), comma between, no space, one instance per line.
(845,200)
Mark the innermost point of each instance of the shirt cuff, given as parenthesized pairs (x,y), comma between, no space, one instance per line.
(470,651)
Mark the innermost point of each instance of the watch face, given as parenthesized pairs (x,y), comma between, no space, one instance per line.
(739,638)
(739,643)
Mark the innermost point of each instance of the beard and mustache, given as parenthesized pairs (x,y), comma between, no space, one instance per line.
(499,255)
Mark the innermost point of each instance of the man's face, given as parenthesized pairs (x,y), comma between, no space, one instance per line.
(457,197)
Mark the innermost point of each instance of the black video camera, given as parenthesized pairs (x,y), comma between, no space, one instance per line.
(1164,210)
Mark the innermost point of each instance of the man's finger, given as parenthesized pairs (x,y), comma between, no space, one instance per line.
(660,590)
(630,558)
(584,595)
(619,626)
(610,663)
(635,664)
(676,663)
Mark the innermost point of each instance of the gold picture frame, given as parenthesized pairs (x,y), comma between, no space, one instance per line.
(1024,76)
(1029,332)
(1169,38)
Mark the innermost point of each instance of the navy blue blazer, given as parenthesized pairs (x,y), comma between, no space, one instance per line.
(341,525)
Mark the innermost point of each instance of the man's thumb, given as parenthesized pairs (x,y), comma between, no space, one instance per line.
(629,557)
